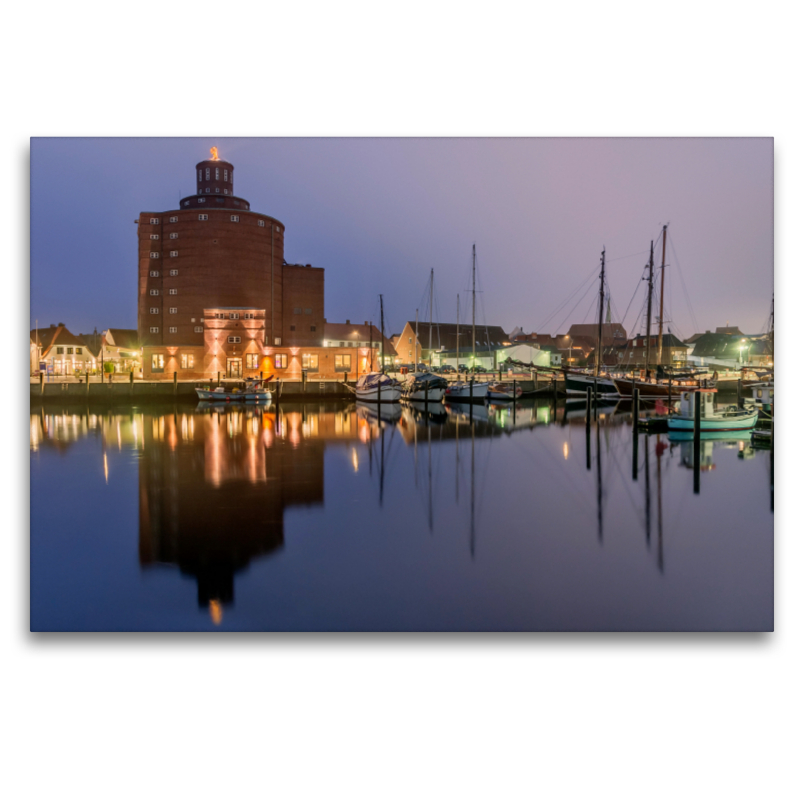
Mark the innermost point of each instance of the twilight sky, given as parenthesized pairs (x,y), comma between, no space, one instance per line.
(378,214)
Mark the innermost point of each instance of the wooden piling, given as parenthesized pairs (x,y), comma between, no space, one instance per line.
(41,382)
(739,401)
(174,383)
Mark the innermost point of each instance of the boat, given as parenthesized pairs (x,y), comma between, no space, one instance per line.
(731,418)
(378,387)
(650,387)
(466,391)
(425,387)
(580,382)
(252,392)
(503,392)
(764,396)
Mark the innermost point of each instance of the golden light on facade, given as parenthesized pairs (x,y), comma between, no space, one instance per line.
(214,155)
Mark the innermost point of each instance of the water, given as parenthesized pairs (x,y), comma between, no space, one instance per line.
(322,517)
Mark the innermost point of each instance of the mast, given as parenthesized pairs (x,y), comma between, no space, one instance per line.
(370,347)
(458,329)
(430,329)
(600,315)
(382,338)
(649,309)
(661,298)
(473,305)
(416,340)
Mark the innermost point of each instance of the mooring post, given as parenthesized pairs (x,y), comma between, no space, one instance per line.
(379,400)
(345,378)
(669,393)
(514,395)
(305,375)
(470,398)
(555,389)
(697,408)
(739,402)
(41,383)
(635,411)
(219,382)
(174,383)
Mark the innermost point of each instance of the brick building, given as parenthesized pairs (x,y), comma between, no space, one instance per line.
(216,296)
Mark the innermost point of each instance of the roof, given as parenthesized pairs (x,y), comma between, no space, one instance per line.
(55,334)
(124,338)
(347,332)
(668,340)
(720,345)
(734,331)
(612,331)
(444,335)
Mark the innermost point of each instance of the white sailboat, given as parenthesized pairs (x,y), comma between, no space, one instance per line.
(467,391)
(378,387)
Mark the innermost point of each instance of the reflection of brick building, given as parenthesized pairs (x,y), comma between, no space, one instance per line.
(214,259)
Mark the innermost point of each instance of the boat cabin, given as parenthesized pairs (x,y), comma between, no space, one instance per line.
(705,397)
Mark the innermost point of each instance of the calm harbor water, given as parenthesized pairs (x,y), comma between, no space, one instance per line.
(324,517)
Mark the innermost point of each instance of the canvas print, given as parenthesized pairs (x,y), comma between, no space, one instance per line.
(376,384)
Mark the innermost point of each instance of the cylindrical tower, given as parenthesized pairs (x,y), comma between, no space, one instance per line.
(214,177)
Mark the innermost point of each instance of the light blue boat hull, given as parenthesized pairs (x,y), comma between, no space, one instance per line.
(738,422)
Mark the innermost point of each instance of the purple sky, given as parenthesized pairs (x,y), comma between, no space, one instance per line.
(378,214)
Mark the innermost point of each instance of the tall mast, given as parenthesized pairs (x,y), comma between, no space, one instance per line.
(473,305)
(382,339)
(661,298)
(649,308)
(370,346)
(600,315)
(458,329)
(430,329)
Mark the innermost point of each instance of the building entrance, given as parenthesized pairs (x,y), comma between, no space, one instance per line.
(234,367)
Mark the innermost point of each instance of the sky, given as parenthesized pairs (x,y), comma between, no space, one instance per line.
(379,213)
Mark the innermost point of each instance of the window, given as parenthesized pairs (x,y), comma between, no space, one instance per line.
(70,351)
(173,311)
(154,236)
(297,311)
(277,340)
(342,363)
(281,360)
(173,272)
(153,273)
(220,201)
(198,329)
(226,175)
(234,316)
(310,362)
(216,176)
(308,312)
(291,327)
(186,203)
(153,330)
(173,236)
(79,351)
(236,202)
(202,217)
(261,223)
(173,253)
(173,219)
(216,190)
(208,173)
(200,175)
(234,339)
(207,191)
(157,361)
(313,328)
(59,351)
(154,220)
(173,330)
(409,340)
(173,291)
(251,361)
(226,191)
(234,218)
(154,291)
(155,255)
(187,360)
(201,199)
(154,311)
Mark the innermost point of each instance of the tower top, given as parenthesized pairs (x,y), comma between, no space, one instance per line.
(214,176)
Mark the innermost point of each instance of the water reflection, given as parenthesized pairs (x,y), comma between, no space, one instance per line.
(215,482)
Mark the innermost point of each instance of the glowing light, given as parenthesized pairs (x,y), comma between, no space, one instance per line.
(566,450)
(214,606)
(105,467)
(354,459)
(214,156)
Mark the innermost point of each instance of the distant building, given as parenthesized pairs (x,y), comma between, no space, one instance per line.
(418,342)
(634,353)
(613,333)
(360,338)
(728,350)
(62,351)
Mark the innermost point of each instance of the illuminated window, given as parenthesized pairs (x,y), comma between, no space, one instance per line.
(153,273)
(154,291)
(173,330)
(173,311)
(202,217)
(281,360)
(234,218)
(153,330)
(154,311)
(277,340)
(154,236)
(234,316)
(187,360)
(157,361)
(173,253)
(342,362)
(69,351)
(79,351)
(173,291)
(234,339)
(198,329)
(173,272)
(251,361)
(59,351)
(154,220)
(173,236)
(310,362)
(155,255)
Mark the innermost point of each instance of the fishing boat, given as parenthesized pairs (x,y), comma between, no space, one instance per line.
(378,387)
(252,392)
(503,392)
(466,391)
(425,387)
(731,418)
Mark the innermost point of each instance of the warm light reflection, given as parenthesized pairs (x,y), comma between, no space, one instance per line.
(354,459)
(215,610)
(105,466)
(566,450)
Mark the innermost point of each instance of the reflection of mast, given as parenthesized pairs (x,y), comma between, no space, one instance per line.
(647,488)
(381,491)
(658,476)
(430,482)
(599,489)
(458,463)
(472,498)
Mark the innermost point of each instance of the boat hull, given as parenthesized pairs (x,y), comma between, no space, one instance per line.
(228,397)
(434,395)
(388,394)
(738,422)
(459,392)
(579,384)
(625,388)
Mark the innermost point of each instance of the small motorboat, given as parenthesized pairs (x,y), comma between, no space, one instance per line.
(425,386)
(712,420)
(252,392)
(503,392)
(460,392)
(377,387)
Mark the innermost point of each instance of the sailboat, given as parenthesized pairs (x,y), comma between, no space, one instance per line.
(467,391)
(579,382)
(378,387)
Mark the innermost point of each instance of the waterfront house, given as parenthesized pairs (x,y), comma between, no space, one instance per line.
(365,341)
(419,342)
(62,351)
